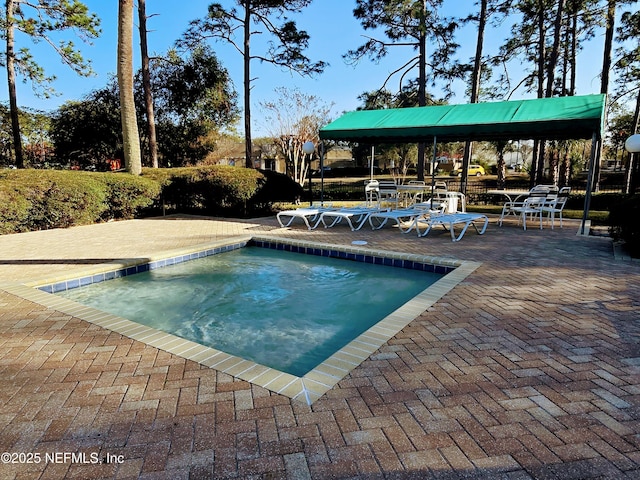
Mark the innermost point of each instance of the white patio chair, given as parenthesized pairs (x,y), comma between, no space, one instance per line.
(372,193)
(529,207)
(556,205)
(388,191)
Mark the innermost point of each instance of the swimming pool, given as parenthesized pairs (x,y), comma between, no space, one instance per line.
(288,311)
(306,388)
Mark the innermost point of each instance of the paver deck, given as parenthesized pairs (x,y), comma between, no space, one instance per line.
(529,368)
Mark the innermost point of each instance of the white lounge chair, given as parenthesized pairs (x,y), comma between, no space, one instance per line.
(448,220)
(309,215)
(401,217)
(356,217)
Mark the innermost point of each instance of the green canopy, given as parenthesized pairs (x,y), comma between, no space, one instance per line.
(542,118)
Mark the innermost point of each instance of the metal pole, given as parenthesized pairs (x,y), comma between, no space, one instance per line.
(373,156)
(433,169)
(322,173)
(587,195)
(310,190)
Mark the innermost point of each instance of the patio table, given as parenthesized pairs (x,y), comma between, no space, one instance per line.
(512,195)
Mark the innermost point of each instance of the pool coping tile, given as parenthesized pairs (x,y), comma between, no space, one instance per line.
(315,383)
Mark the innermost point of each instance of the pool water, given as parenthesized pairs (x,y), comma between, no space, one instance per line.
(288,311)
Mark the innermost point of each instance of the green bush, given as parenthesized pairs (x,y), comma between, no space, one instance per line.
(14,206)
(211,190)
(44,199)
(275,187)
(127,195)
(623,221)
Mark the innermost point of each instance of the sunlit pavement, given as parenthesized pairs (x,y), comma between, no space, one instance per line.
(530,368)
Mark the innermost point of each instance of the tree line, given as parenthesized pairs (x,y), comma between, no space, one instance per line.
(538,58)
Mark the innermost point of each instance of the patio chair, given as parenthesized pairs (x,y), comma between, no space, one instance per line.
(530,206)
(448,220)
(388,191)
(309,215)
(372,193)
(556,205)
(356,217)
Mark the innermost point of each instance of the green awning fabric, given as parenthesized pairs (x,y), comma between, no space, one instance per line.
(543,118)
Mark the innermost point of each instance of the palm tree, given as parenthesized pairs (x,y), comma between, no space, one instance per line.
(130,138)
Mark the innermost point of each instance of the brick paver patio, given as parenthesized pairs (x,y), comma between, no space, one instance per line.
(530,368)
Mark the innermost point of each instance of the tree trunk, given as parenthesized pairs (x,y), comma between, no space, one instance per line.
(247,85)
(537,163)
(146,83)
(553,57)
(422,82)
(574,52)
(604,77)
(631,180)
(608,45)
(130,137)
(11,80)
(475,91)
(565,166)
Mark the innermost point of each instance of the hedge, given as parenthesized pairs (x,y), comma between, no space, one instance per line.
(43,199)
(623,218)
(211,190)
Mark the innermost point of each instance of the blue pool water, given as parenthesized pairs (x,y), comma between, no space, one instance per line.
(288,311)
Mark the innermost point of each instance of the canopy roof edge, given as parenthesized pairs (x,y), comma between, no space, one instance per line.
(553,118)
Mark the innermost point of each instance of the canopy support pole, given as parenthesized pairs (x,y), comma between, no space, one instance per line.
(587,194)
(321,173)
(433,169)
(373,156)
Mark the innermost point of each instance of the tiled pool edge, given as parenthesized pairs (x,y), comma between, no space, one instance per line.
(322,378)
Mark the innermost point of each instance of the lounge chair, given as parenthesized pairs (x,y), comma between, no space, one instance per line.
(448,220)
(356,217)
(401,217)
(309,215)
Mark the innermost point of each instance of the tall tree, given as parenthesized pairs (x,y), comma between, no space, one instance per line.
(251,18)
(410,23)
(604,75)
(194,98)
(42,20)
(628,68)
(293,119)
(146,84)
(487,9)
(130,137)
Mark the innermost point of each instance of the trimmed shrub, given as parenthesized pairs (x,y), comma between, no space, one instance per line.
(623,220)
(43,199)
(127,195)
(275,187)
(14,206)
(211,190)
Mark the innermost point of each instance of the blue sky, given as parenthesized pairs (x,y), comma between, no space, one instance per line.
(333,31)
